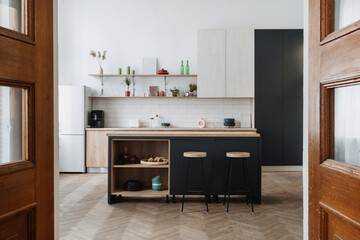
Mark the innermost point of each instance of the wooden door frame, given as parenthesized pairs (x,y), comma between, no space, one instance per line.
(320,120)
(27,61)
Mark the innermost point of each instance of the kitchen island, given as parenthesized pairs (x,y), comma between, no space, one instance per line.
(171,143)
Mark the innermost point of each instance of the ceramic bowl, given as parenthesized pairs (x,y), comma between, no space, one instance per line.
(229,124)
(156,186)
(229,120)
(165,124)
(156,179)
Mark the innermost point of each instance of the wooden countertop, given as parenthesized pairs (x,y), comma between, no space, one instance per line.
(253,130)
(182,132)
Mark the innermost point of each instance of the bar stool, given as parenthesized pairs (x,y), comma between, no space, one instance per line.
(191,156)
(244,190)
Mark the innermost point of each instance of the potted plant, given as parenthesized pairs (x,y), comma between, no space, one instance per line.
(100,58)
(175,92)
(127,82)
(193,88)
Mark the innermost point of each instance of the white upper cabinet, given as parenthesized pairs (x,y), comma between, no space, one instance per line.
(240,63)
(211,63)
(226,63)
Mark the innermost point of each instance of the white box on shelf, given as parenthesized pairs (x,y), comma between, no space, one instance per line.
(149,65)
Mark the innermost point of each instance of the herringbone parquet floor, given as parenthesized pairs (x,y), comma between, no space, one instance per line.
(85,214)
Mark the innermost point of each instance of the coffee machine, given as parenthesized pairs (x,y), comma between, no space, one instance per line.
(97,119)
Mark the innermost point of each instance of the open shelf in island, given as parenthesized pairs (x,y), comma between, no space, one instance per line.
(120,174)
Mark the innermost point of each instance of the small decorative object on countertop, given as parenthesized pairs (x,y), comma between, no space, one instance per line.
(134,123)
(120,71)
(165,125)
(133,72)
(128,70)
(157,121)
(201,123)
(229,122)
(100,58)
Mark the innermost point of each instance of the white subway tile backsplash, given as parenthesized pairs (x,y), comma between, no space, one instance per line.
(179,112)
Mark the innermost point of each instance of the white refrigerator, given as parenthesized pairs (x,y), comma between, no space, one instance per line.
(74,109)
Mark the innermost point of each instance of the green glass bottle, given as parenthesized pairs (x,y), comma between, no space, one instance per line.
(182,68)
(187,68)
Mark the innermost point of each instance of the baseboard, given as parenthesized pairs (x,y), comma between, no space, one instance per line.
(97,170)
(282,168)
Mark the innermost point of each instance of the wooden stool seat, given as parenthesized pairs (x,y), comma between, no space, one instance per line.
(237,154)
(195,154)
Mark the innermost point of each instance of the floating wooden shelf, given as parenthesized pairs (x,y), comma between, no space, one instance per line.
(141,166)
(143,75)
(146,192)
(140,97)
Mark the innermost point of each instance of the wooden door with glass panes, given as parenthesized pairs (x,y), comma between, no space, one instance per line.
(334,119)
(26,120)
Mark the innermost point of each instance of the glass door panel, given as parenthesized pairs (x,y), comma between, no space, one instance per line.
(13,125)
(346,12)
(12,15)
(347,125)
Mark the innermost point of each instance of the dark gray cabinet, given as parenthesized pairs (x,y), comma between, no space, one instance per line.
(278,95)
(292,131)
(269,63)
(269,121)
(293,63)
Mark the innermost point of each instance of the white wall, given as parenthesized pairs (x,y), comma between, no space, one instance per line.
(167,29)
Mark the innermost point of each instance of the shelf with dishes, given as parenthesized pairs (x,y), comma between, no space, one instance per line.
(130,169)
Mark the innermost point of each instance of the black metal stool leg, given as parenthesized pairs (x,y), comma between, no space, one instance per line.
(186,177)
(246,184)
(229,187)
(227,180)
(173,199)
(204,185)
(216,198)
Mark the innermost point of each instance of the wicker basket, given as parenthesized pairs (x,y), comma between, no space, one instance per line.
(159,161)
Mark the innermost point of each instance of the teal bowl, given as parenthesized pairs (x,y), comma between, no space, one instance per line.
(156,179)
(156,186)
